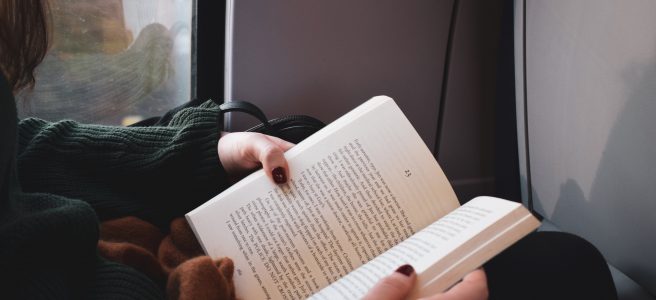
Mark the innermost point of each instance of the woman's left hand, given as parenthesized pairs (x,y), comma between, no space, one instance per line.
(243,152)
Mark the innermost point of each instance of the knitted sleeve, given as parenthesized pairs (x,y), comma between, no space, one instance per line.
(155,173)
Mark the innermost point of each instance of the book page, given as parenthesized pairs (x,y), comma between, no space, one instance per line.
(440,251)
(359,186)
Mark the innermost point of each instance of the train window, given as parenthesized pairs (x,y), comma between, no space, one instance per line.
(114,61)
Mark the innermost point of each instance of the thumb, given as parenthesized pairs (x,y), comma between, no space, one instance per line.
(395,286)
(269,151)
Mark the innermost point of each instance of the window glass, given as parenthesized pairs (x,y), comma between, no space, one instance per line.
(114,61)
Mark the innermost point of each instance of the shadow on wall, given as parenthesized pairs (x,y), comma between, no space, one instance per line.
(619,215)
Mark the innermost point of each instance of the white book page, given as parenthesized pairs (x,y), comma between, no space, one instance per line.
(359,186)
(432,250)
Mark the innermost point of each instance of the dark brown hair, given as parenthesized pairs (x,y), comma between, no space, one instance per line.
(24,39)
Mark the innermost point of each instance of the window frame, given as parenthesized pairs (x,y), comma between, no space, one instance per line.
(208,49)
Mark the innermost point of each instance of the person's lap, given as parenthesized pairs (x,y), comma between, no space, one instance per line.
(550,265)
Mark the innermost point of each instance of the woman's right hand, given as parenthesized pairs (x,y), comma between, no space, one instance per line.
(398,285)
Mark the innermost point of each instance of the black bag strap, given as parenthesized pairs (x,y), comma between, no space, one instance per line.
(292,128)
(246,107)
(224,107)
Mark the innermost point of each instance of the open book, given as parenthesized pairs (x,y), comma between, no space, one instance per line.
(365,196)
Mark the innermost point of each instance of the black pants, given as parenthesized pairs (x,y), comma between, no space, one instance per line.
(550,265)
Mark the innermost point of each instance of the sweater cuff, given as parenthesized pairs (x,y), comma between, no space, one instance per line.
(206,124)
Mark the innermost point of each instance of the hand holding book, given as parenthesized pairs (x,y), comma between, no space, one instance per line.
(243,152)
(398,285)
(364,195)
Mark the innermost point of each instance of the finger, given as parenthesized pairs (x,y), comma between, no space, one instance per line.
(395,286)
(472,287)
(284,145)
(278,174)
(269,151)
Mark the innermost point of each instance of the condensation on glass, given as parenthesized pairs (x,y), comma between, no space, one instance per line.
(114,61)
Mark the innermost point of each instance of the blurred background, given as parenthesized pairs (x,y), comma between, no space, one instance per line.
(114,61)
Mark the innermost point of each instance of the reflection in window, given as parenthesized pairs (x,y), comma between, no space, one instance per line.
(114,61)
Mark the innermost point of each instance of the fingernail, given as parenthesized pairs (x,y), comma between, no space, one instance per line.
(279,175)
(406,270)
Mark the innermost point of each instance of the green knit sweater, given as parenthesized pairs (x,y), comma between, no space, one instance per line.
(58,180)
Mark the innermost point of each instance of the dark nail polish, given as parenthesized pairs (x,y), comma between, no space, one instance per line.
(406,270)
(279,175)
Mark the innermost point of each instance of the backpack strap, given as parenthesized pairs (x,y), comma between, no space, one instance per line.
(293,128)
(246,107)
(240,106)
